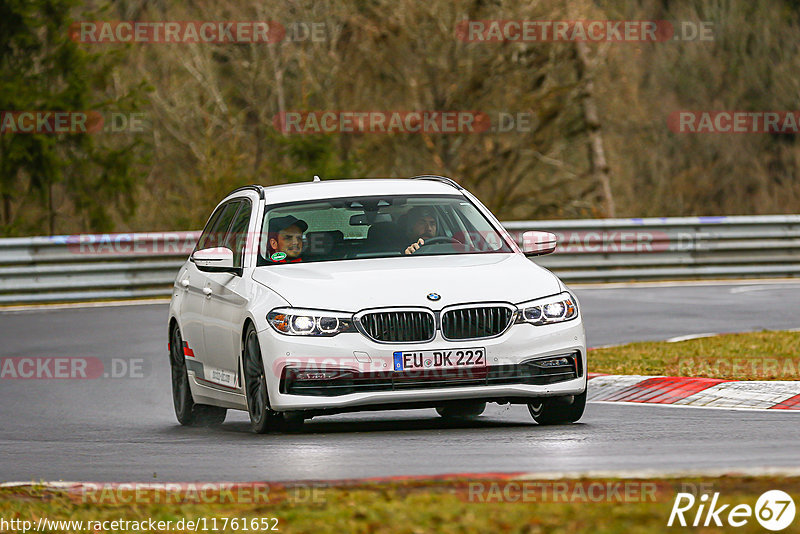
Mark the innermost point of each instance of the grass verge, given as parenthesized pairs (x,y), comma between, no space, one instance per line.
(455,505)
(768,355)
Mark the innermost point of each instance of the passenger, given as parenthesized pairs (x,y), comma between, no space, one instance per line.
(285,239)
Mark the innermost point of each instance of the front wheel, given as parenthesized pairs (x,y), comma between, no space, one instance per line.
(262,417)
(557,410)
(187,412)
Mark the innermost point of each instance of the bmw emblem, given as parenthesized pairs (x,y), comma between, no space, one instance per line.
(434,296)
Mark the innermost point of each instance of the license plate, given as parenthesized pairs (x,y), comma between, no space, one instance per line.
(440,359)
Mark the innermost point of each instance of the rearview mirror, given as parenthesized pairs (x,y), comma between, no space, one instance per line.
(368,218)
(536,243)
(215,260)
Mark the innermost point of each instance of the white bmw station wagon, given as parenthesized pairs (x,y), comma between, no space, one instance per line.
(371,294)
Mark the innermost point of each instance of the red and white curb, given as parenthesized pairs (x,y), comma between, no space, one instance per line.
(695,392)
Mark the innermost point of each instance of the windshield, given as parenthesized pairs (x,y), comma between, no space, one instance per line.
(376,227)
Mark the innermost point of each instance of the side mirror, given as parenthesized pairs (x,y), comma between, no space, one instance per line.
(215,260)
(538,243)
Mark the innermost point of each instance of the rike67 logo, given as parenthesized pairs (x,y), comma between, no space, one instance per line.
(774,510)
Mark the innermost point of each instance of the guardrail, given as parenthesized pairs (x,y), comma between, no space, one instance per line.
(86,267)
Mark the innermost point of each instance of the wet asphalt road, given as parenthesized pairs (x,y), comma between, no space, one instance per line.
(124,429)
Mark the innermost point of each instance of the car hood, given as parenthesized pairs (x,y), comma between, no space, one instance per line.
(354,285)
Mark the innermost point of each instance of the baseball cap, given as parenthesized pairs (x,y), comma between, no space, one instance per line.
(281,223)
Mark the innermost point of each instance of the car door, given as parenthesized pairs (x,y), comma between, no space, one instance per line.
(194,282)
(225,305)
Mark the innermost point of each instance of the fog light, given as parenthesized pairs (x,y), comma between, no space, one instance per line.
(555,362)
(314,375)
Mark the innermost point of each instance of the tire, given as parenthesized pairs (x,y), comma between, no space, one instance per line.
(262,418)
(557,410)
(187,412)
(462,410)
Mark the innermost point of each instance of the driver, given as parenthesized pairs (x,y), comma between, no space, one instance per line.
(421,225)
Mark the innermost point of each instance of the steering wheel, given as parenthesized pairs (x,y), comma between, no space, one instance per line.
(440,240)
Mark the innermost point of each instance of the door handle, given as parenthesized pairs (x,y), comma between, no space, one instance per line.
(207,291)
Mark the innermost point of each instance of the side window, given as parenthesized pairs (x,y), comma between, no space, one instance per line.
(205,235)
(214,233)
(237,235)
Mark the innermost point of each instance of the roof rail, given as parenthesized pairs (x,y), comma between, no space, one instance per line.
(259,189)
(435,178)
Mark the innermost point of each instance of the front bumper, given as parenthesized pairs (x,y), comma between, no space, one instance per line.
(365,369)
(326,382)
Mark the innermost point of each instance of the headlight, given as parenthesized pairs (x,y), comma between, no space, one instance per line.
(555,309)
(297,322)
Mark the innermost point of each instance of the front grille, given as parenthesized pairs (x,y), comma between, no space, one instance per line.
(399,326)
(347,381)
(475,323)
